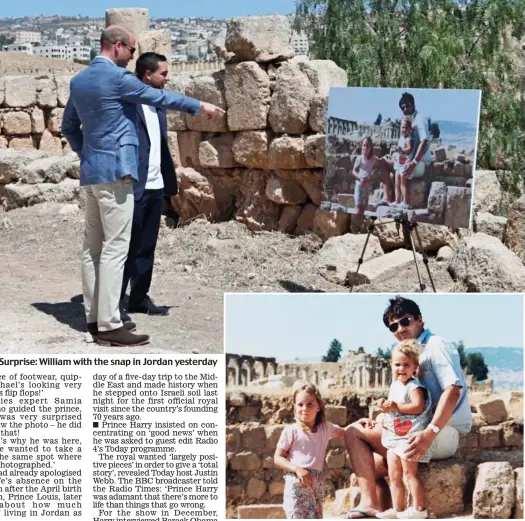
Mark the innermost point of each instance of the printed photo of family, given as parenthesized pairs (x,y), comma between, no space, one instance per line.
(424,427)
(404,154)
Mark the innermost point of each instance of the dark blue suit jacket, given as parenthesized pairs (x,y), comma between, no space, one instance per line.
(167,167)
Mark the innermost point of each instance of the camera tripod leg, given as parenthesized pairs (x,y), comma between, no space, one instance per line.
(422,285)
(425,258)
(361,258)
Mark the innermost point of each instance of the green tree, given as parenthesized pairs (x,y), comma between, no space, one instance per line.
(92,54)
(378,119)
(334,352)
(6,40)
(476,366)
(384,353)
(466,44)
(460,346)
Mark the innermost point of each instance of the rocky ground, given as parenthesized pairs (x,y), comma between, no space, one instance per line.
(41,309)
(15,63)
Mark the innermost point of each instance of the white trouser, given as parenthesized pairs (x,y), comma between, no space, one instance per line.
(109,216)
(447,442)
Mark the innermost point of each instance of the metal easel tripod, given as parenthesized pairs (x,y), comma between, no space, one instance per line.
(408,227)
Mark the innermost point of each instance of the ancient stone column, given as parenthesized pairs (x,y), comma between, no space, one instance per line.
(135,20)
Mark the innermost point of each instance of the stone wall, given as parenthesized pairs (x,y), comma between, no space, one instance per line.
(255,422)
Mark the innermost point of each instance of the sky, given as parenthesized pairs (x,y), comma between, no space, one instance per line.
(364,104)
(289,326)
(157,8)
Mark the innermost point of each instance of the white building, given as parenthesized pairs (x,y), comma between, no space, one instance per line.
(28,36)
(63,52)
(18,47)
(300,43)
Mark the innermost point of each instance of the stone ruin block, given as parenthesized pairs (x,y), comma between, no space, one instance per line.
(490,437)
(210,89)
(247,90)
(324,74)
(335,459)
(287,153)
(21,143)
(46,94)
(337,414)
(189,148)
(158,41)
(38,124)
(494,492)
(253,437)
(318,113)
(17,123)
(261,512)
(250,148)
(450,180)
(330,224)
(291,100)
(260,38)
(457,211)
(2,91)
(133,19)
(493,411)
(216,152)
(437,200)
(289,217)
(20,91)
(245,461)
(63,90)
(314,150)
(490,224)
(50,144)
(273,433)
(518,507)
(255,488)
(54,124)
(444,483)
(285,191)
(440,154)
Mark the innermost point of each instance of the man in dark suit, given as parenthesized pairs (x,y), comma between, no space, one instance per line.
(156,179)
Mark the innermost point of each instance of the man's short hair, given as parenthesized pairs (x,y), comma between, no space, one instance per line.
(113,34)
(149,61)
(406,97)
(399,307)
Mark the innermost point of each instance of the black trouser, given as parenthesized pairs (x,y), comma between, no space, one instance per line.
(144,232)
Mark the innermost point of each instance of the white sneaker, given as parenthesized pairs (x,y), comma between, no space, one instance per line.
(412,513)
(403,206)
(391,513)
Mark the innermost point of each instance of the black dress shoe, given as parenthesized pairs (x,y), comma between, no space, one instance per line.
(148,307)
(123,313)
(93,328)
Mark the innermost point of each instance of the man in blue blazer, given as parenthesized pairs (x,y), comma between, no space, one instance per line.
(100,124)
(156,178)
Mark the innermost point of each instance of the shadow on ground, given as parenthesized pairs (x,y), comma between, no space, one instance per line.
(69,313)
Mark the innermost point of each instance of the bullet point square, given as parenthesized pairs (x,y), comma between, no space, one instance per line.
(95,425)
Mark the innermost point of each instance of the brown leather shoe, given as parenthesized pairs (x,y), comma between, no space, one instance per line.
(121,337)
(93,329)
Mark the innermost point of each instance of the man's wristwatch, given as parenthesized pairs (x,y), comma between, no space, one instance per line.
(434,428)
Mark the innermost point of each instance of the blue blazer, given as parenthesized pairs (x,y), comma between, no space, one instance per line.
(100,119)
(167,168)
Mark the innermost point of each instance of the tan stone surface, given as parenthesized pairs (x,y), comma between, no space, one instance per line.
(259,38)
(158,41)
(457,210)
(216,152)
(291,100)
(21,143)
(379,267)
(285,191)
(173,144)
(55,121)
(2,90)
(62,83)
(336,414)
(444,483)
(133,19)
(51,144)
(3,142)
(289,217)
(335,459)
(318,113)
(245,461)
(494,492)
(324,74)
(287,153)
(276,488)
(487,191)
(339,255)
(513,434)
(518,507)
(208,88)
(250,148)
(18,195)
(46,93)
(273,432)
(515,232)
(314,150)
(483,264)
(17,123)
(494,225)
(253,437)
(490,436)
(255,209)
(255,488)
(12,163)
(330,224)
(20,91)
(261,512)
(189,148)
(176,118)
(38,124)
(247,91)
(305,222)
